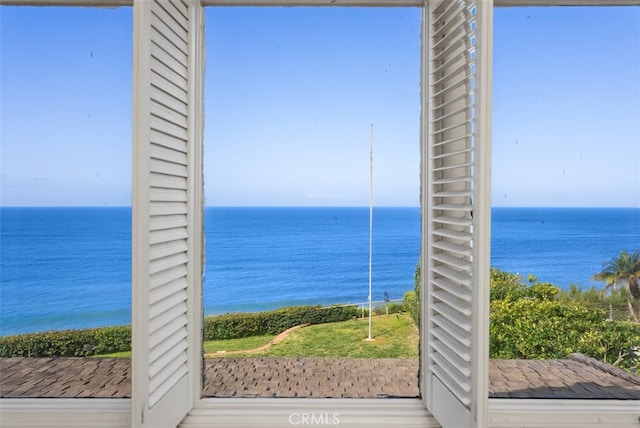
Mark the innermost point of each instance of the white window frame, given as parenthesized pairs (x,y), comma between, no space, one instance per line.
(210,412)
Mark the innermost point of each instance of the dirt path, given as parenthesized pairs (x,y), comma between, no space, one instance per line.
(279,338)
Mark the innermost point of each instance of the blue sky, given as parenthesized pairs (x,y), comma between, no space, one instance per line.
(566,128)
(290,95)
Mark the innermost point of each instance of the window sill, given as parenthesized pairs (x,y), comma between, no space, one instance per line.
(71,412)
(563,413)
(261,412)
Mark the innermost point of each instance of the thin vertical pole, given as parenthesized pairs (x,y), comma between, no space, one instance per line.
(370,220)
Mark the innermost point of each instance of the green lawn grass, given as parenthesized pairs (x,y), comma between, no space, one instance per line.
(395,336)
(230,345)
(124,354)
(214,346)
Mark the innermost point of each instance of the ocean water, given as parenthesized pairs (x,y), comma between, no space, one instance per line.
(562,245)
(71,267)
(64,268)
(264,258)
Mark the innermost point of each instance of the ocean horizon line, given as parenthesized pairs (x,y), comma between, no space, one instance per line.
(331,206)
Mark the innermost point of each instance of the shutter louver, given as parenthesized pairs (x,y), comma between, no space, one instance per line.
(165,209)
(455,192)
(168,185)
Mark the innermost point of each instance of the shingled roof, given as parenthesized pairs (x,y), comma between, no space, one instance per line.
(577,377)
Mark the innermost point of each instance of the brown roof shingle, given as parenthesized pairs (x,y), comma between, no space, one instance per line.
(577,377)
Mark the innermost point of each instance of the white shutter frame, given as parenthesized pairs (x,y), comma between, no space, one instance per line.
(167,211)
(456,209)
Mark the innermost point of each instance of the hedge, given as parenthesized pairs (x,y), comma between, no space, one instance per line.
(237,325)
(105,340)
(68,343)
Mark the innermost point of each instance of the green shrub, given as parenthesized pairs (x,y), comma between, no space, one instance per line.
(67,343)
(548,329)
(237,325)
(411,299)
(506,286)
(389,308)
(543,291)
(410,305)
(393,308)
(540,321)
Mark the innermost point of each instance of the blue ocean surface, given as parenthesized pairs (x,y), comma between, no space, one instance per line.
(64,268)
(71,267)
(265,258)
(562,246)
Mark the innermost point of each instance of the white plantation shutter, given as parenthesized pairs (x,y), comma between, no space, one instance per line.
(456,209)
(167,210)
